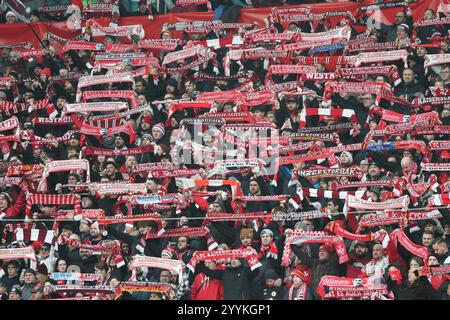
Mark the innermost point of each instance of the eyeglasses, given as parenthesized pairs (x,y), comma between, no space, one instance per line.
(43,249)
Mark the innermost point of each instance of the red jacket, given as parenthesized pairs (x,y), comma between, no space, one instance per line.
(206,288)
(17,208)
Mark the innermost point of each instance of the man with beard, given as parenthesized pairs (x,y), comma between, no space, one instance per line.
(358,258)
(441,250)
(182,249)
(378,263)
(326,265)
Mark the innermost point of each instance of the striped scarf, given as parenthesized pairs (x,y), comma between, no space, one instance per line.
(41,235)
(61,166)
(176,266)
(300,237)
(437,200)
(52,199)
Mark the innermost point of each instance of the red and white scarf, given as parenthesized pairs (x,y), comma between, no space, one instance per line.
(274,37)
(398,235)
(89,150)
(125,94)
(87,81)
(12,108)
(108,56)
(194,65)
(213,217)
(300,294)
(354,172)
(176,173)
(119,31)
(435,166)
(336,229)
(84,289)
(398,203)
(182,105)
(42,235)
(437,200)
(335,113)
(281,87)
(340,287)
(39,140)
(93,214)
(53,199)
(377,88)
(248,254)
(83,45)
(29,171)
(198,50)
(178,232)
(382,56)
(436,59)
(291,148)
(49,122)
(153,199)
(305,215)
(276,198)
(395,217)
(97,131)
(371,46)
(358,184)
(361,73)
(232,116)
(26,54)
(434,101)
(103,247)
(146,167)
(61,166)
(326,194)
(189,183)
(104,189)
(9,124)
(159,44)
(333,35)
(17,253)
(94,107)
(176,266)
(281,161)
(300,237)
(286,69)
